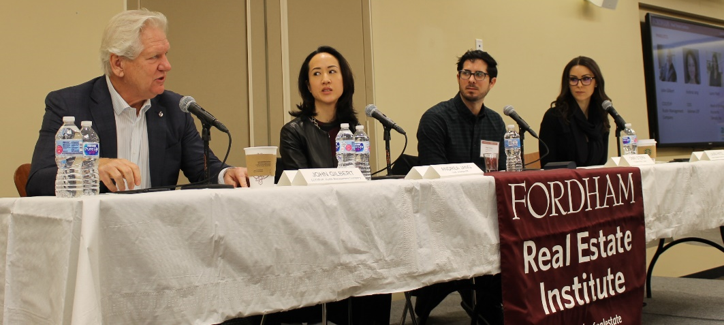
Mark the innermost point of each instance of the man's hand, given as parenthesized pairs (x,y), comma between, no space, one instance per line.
(236,176)
(118,173)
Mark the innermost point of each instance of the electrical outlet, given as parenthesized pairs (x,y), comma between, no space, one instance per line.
(479,44)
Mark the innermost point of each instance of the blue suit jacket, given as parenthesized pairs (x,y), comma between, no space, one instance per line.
(173,142)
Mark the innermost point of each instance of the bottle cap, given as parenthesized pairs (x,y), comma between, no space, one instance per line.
(68,118)
(511,127)
(359,127)
(344,125)
(86,123)
(628,125)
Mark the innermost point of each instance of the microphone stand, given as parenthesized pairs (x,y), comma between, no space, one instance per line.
(206,136)
(618,139)
(522,150)
(387,138)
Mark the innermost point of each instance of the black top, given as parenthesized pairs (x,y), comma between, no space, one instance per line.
(581,140)
(450,133)
(304,144)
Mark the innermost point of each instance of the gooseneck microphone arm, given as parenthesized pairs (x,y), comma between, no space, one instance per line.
(620,122)
(188,104)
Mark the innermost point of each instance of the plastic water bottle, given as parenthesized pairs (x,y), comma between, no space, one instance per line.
(91,152)
(629,143)
(68,157)
(345,147)
(511,142)
(362,151)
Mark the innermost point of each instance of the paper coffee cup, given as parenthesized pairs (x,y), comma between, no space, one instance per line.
(261,163)
(647,146)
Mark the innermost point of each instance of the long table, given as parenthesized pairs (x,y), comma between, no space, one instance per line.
(202,256)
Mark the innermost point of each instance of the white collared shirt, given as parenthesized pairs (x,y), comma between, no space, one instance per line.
(132,134)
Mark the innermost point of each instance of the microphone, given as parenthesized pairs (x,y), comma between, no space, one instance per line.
(372,111)
(510,111)
(188,105)
(608,107)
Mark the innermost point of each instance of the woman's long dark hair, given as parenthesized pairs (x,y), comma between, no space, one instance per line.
(565,103)
(345,109)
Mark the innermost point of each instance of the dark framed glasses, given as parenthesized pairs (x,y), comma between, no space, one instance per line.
(585,80)
(479,75)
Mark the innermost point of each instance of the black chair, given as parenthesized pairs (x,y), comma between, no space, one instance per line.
(279,171)
(404,164)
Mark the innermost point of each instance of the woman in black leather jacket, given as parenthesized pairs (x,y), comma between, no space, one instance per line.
(326,85)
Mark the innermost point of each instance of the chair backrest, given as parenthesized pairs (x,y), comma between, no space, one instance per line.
(21,178)
(531,157)
(403,165)
(279,170)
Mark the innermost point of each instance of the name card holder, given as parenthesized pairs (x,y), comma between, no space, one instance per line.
(630,160)
(452,170)
(287,178)
(324,176)
(707,155)
(417,172)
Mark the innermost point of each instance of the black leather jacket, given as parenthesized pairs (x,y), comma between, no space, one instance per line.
(304,145)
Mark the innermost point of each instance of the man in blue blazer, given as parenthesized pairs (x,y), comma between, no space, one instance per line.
(145,137)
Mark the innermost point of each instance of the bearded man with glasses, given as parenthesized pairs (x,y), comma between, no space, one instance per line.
(451,132)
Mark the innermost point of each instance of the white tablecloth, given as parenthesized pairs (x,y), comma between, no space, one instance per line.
(202,256)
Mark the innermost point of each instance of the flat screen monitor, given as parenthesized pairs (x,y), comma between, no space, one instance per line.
(683,64)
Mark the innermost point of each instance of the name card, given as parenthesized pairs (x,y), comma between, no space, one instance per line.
(324,176)
(452,170)
(707,155)
(630,160)
(417,172)
(488,147)
(287,178)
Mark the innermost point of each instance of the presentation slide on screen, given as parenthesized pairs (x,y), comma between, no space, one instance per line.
(689,93)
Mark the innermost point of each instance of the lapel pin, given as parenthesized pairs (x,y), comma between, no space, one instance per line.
(160,114)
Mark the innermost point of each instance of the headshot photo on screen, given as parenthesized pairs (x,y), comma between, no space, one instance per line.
(714,69)
(667,72)
(691,67)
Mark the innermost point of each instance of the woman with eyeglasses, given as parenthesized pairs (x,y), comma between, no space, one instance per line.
(575,127)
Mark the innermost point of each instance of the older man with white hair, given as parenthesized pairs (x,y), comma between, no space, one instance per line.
(145,138)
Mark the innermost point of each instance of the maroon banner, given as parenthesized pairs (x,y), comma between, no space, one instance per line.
(572,246)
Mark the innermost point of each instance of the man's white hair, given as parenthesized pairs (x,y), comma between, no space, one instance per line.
(122,35)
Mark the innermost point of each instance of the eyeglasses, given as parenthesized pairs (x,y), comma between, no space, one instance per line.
(479,75)
(585,80)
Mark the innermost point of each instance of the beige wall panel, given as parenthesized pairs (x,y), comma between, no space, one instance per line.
(48,45)
(208,57)
(273,87)
(415,51)
(327,22)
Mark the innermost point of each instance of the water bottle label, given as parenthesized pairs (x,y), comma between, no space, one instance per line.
(628,139)
(362,147)
(512,143)
(68,147)
(91,149)
(348,146)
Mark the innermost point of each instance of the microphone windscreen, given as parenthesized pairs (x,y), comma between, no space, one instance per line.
(508,110)
(370,109)
(185,103)
(606,104)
